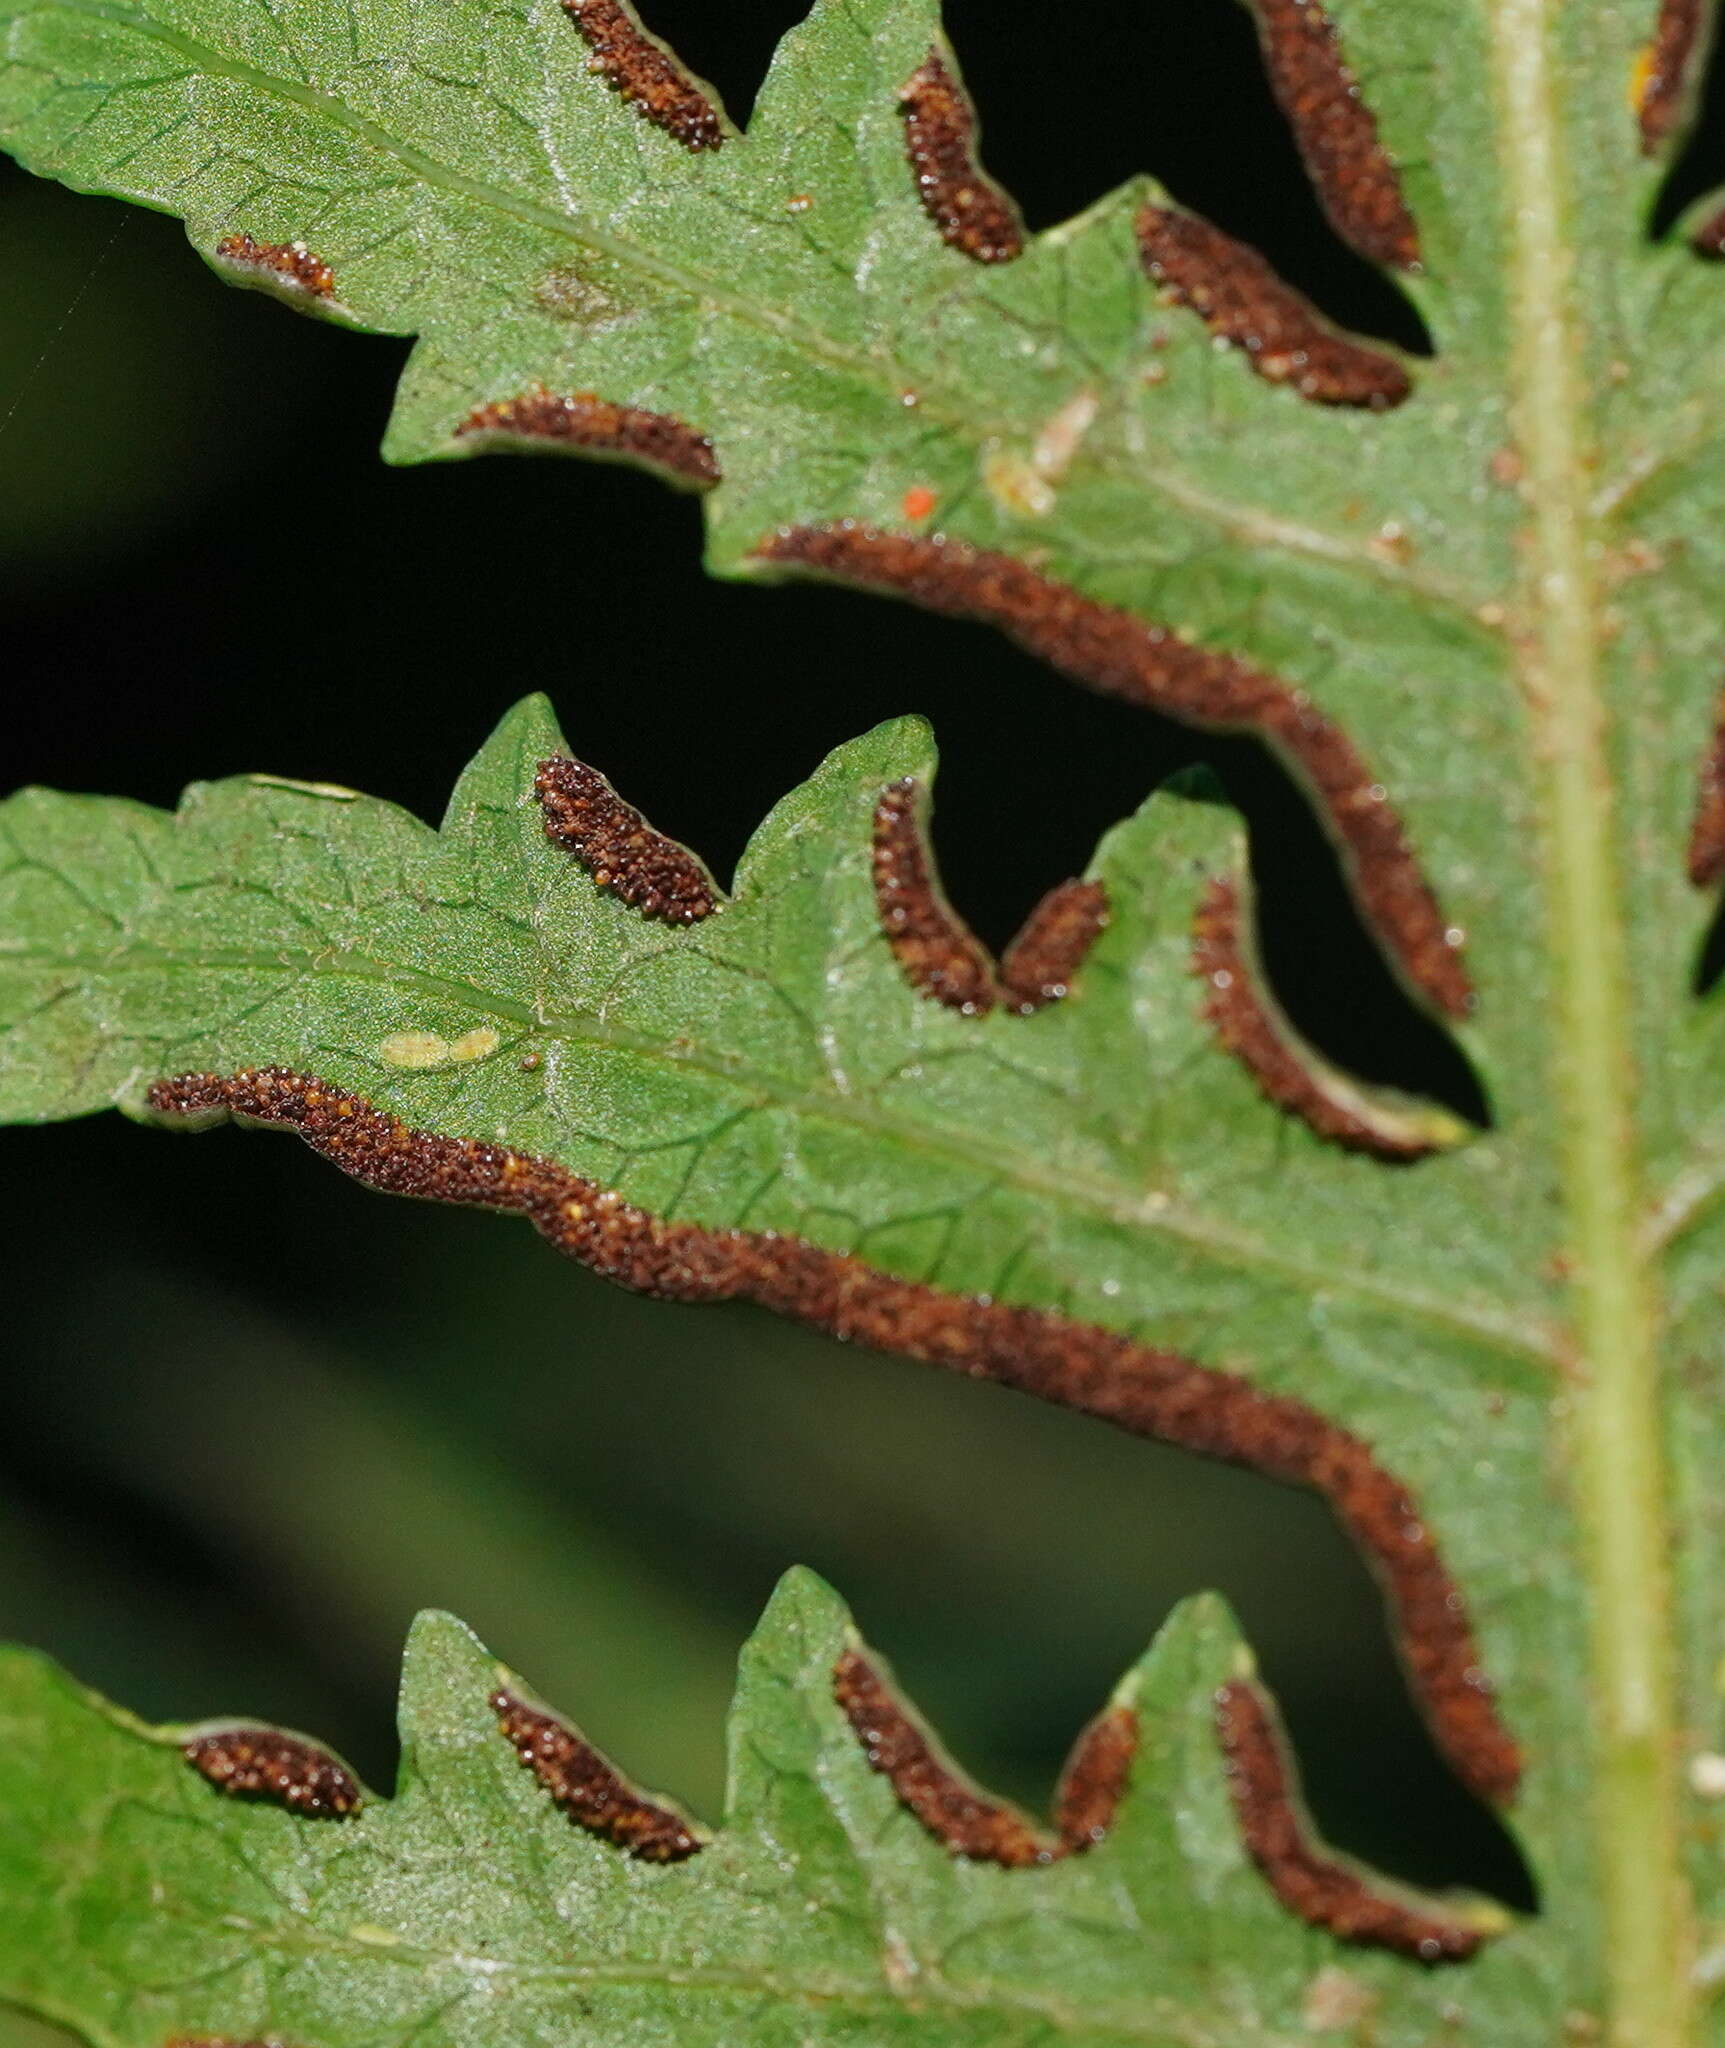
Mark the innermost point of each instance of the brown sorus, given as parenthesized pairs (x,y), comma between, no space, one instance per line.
(1665,72)
(1053,942)
(645,73)
(1709,238)
(1320,1889)
(956,1812)
(588,1789)
(1249,1024)
(597,427)
(586,817)
(1707,833)
(214,2041)
(953,1810)
(1124,656)
(1094,1781)
(937,951)
(1337,133)
(972,213)
(1239,297)
(263,1763)
(290,262)
(1156,1394)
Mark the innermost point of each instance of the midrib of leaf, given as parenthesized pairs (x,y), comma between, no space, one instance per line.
(1617,1472)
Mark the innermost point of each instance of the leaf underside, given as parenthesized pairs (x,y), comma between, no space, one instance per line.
(1501,591)
(467,1909)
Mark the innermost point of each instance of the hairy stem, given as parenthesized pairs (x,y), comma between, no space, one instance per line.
(1617,1478)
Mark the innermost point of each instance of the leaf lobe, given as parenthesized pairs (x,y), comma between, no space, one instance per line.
(1321,1889)
(1243,302)
(597,427)
(1337,133)
(972,213)
(591,1791)
(652,874)
(641,71)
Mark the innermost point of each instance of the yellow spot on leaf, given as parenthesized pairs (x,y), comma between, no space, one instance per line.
(414,1049)
(477,1044)
(1026,486)
(1640,77)
(1017,486)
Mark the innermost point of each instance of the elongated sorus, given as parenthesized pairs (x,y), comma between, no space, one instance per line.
(972,213)
(589,1789)
(1707,832)
(1123,656)
(1665,75)
(586,817)
(1249,1024)
(266,1763)
(967,1821)
(214,2041)
(290,263)
(1242,300)
(1355,177)
(1147,1392)
(1318,1887)
(936,950)
(1042,960)
(645,74)
(597,427)
(1709,238)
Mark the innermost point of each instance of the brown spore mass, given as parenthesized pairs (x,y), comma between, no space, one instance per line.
(1120,655)
(1709,238)
(652,874)
(647,76)
(585,1787)
(1094,1781)
(936,950)
(1707,833)
(953,1810)
(1247,1025)
(957,1813)
(292,262)
(599,427)
(263,1763)
(1156,1394)
(1354,175)
(1241,299)
(1663,81)
(1041,962)
(972,213)
(214,2041)
(1328,1893)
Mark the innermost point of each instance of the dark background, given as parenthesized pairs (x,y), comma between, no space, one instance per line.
(251,1417)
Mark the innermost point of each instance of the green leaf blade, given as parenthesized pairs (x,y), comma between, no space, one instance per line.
(468,1908)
